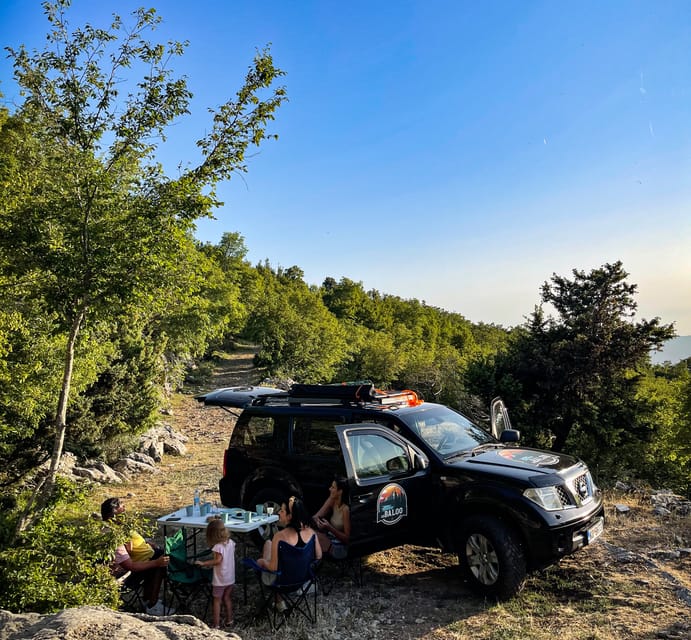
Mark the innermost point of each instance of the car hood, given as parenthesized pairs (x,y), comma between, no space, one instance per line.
(237,397)
(535,461)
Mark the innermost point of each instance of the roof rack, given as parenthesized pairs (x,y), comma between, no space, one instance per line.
(340,394)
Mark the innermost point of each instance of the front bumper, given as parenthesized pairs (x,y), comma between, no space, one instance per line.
(554,543)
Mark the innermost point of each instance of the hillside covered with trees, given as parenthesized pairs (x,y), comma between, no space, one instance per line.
(107,298)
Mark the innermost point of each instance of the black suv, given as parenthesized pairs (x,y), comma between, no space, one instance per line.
(419,473)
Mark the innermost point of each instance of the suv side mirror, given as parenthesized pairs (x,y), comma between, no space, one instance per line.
(399,464)
(510,435)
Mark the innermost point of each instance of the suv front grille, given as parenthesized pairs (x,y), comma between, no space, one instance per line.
(582,488)
(564,497)
(577,492)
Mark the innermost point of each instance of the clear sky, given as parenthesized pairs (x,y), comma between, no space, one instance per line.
(452,151)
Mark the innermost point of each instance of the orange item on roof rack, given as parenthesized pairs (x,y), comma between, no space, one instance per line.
(406,396)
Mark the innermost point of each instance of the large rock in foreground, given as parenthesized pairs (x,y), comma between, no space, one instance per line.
(96,623)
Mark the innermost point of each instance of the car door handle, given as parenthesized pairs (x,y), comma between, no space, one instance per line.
(364,497)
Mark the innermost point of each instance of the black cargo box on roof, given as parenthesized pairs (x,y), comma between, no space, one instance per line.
(237,397)
(344,392)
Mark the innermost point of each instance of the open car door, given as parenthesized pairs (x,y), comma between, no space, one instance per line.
(390,487)
(501,425)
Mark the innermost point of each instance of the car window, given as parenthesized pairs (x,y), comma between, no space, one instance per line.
(316,436)
(374,455)
(261,433)
(446,431)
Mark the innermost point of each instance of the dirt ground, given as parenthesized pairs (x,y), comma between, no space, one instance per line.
(635,583)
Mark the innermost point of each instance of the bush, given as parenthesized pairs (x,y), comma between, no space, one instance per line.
(63,559)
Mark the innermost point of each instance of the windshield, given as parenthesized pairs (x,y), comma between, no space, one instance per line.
(445,430)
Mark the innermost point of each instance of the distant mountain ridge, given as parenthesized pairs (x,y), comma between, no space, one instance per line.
(674,351)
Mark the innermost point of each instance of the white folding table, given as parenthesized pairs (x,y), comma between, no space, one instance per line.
(234,521)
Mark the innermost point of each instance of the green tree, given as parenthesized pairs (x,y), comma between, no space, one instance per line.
(664,399)
(573,378)
(237,275)
(102,417)
(199,304)
(64,562)
(298,337)
(373,356)
(347,300)
(90,225)
(407,343)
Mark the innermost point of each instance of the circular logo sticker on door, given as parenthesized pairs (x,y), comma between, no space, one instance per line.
(392,504)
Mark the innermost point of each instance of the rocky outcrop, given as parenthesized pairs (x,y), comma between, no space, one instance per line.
(136,463)
(160,440)
(99,472)
(92,623)
(152,445)
(666,503)
(648,560)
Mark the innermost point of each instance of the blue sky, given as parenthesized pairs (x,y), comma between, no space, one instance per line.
(455,152)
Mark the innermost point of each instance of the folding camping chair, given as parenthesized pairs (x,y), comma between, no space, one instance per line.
(294,585)
(131,595)
(189,584)
(333,570)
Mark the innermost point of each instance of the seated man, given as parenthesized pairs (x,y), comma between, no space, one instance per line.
(146,563)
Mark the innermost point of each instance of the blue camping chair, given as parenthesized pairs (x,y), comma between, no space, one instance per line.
(294,589)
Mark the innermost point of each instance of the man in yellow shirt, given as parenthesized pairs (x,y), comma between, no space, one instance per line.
(146,563)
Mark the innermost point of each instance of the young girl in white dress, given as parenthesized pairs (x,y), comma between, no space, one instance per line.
(223,564)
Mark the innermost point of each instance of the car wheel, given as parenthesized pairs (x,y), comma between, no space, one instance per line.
(271,497)
(491,557)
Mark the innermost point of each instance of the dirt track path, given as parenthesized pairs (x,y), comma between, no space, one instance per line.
(207,430)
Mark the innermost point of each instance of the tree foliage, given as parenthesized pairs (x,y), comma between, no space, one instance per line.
(298,337)
(407,343)
(64,561)
(573,378)
(92,231)
(664,406)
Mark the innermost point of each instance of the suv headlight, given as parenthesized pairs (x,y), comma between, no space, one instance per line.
(548,498)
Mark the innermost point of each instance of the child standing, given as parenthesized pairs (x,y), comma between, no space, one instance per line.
(223,564)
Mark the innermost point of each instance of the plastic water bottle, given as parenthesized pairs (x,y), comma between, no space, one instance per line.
(196,503)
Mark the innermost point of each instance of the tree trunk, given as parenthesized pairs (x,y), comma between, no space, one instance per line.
(61,413)
(44,490)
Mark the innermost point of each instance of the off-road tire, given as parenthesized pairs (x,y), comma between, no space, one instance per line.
(491,557)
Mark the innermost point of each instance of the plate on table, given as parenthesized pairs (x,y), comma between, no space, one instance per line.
(237,514)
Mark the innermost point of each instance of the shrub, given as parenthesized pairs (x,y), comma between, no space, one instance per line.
(63,559)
